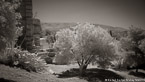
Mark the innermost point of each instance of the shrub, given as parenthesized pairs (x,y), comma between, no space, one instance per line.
(24,60)
(6,57)
(85,44)
(49,60)
(61,60)
(51,54)
(134,43)
(47,56)
(28,61)
(10,26)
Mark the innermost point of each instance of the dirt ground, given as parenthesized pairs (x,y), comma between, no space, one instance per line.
(8,74)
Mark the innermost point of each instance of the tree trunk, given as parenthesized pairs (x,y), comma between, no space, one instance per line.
(83,69)
(119,66)
(136,70)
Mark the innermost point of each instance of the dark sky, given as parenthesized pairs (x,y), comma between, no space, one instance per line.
(121,13)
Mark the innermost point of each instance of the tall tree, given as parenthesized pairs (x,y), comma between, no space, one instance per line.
(9,23)
(134,42)
(86,44)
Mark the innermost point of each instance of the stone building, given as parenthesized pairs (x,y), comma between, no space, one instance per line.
(32,29)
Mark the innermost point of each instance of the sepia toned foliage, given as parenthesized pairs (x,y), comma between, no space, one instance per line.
(85,44)
(63,46)
(134,44)
(26,60)
(120,54)
(10,27)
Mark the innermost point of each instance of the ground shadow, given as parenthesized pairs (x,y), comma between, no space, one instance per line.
(137,74)
(6,80)
(92,75)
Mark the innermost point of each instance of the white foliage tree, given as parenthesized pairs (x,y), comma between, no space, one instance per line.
(85,44)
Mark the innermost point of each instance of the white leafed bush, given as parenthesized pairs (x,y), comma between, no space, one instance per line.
(85,44)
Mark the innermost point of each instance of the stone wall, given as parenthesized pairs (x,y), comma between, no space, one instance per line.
(37,31)
(32,29)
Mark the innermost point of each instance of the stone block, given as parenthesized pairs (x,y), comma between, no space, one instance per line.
(29,15)
(29,7)
(29,27)
(28,11)
(28,3)
(36,21)
(29,21)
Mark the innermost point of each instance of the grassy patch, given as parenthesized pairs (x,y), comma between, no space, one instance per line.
(91,75)
(137,74)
